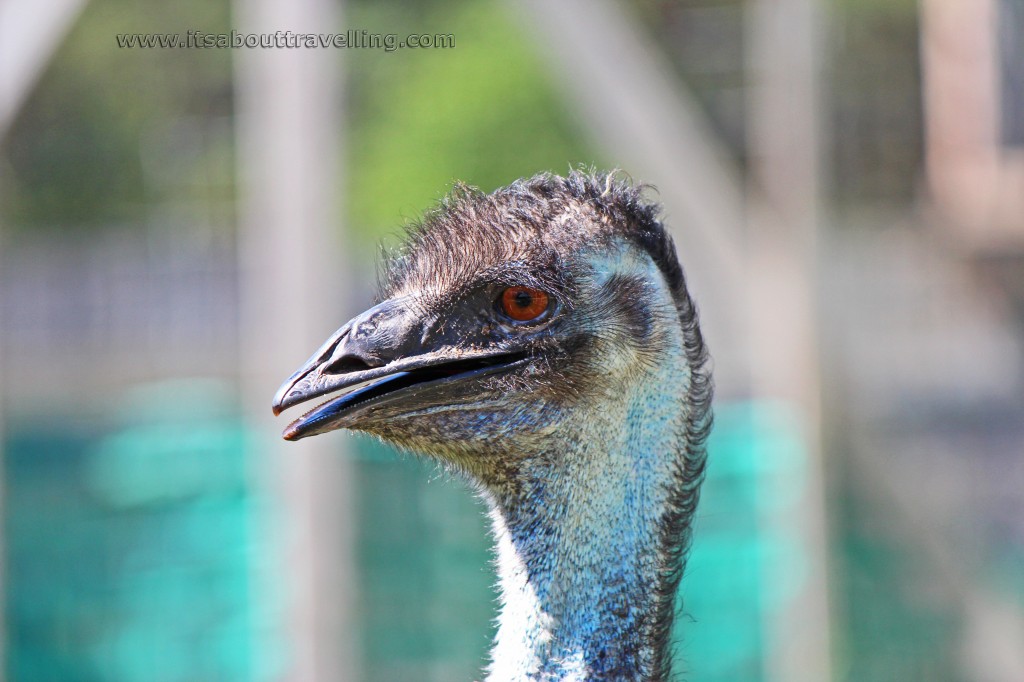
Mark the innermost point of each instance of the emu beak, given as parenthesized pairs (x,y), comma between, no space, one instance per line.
(378,359)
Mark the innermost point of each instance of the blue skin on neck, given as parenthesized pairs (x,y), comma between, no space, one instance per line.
(578,547)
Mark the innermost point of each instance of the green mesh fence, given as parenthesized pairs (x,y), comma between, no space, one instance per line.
(898,622)
(426,602)
(128,551)
(427,599)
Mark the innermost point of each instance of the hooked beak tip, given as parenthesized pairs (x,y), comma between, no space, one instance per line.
(281,403)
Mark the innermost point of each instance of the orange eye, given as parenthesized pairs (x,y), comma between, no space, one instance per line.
(523,303)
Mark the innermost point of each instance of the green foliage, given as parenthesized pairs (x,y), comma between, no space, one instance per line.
(891,9)
(81,151)
(484,112)
(74,154)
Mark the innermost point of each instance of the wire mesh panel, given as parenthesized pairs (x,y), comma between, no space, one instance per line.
(426,600)
(130,547)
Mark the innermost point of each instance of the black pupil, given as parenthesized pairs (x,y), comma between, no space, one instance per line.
(523,299)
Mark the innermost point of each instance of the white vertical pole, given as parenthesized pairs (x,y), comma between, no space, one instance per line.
(293,276)
(783,63)
(30,32)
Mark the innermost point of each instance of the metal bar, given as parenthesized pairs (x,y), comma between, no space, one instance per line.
(30,32)
(292,274)
(783,61)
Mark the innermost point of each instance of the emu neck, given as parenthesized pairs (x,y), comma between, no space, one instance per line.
(580,556)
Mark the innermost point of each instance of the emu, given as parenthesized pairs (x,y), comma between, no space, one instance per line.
(541,342)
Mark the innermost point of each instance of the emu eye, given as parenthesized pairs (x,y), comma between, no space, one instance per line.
(523,303)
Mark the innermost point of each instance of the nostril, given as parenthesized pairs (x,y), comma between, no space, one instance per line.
(348,363)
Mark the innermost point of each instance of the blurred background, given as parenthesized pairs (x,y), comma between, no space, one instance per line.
(181,228)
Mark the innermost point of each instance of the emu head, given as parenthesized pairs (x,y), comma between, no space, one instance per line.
(505,317)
